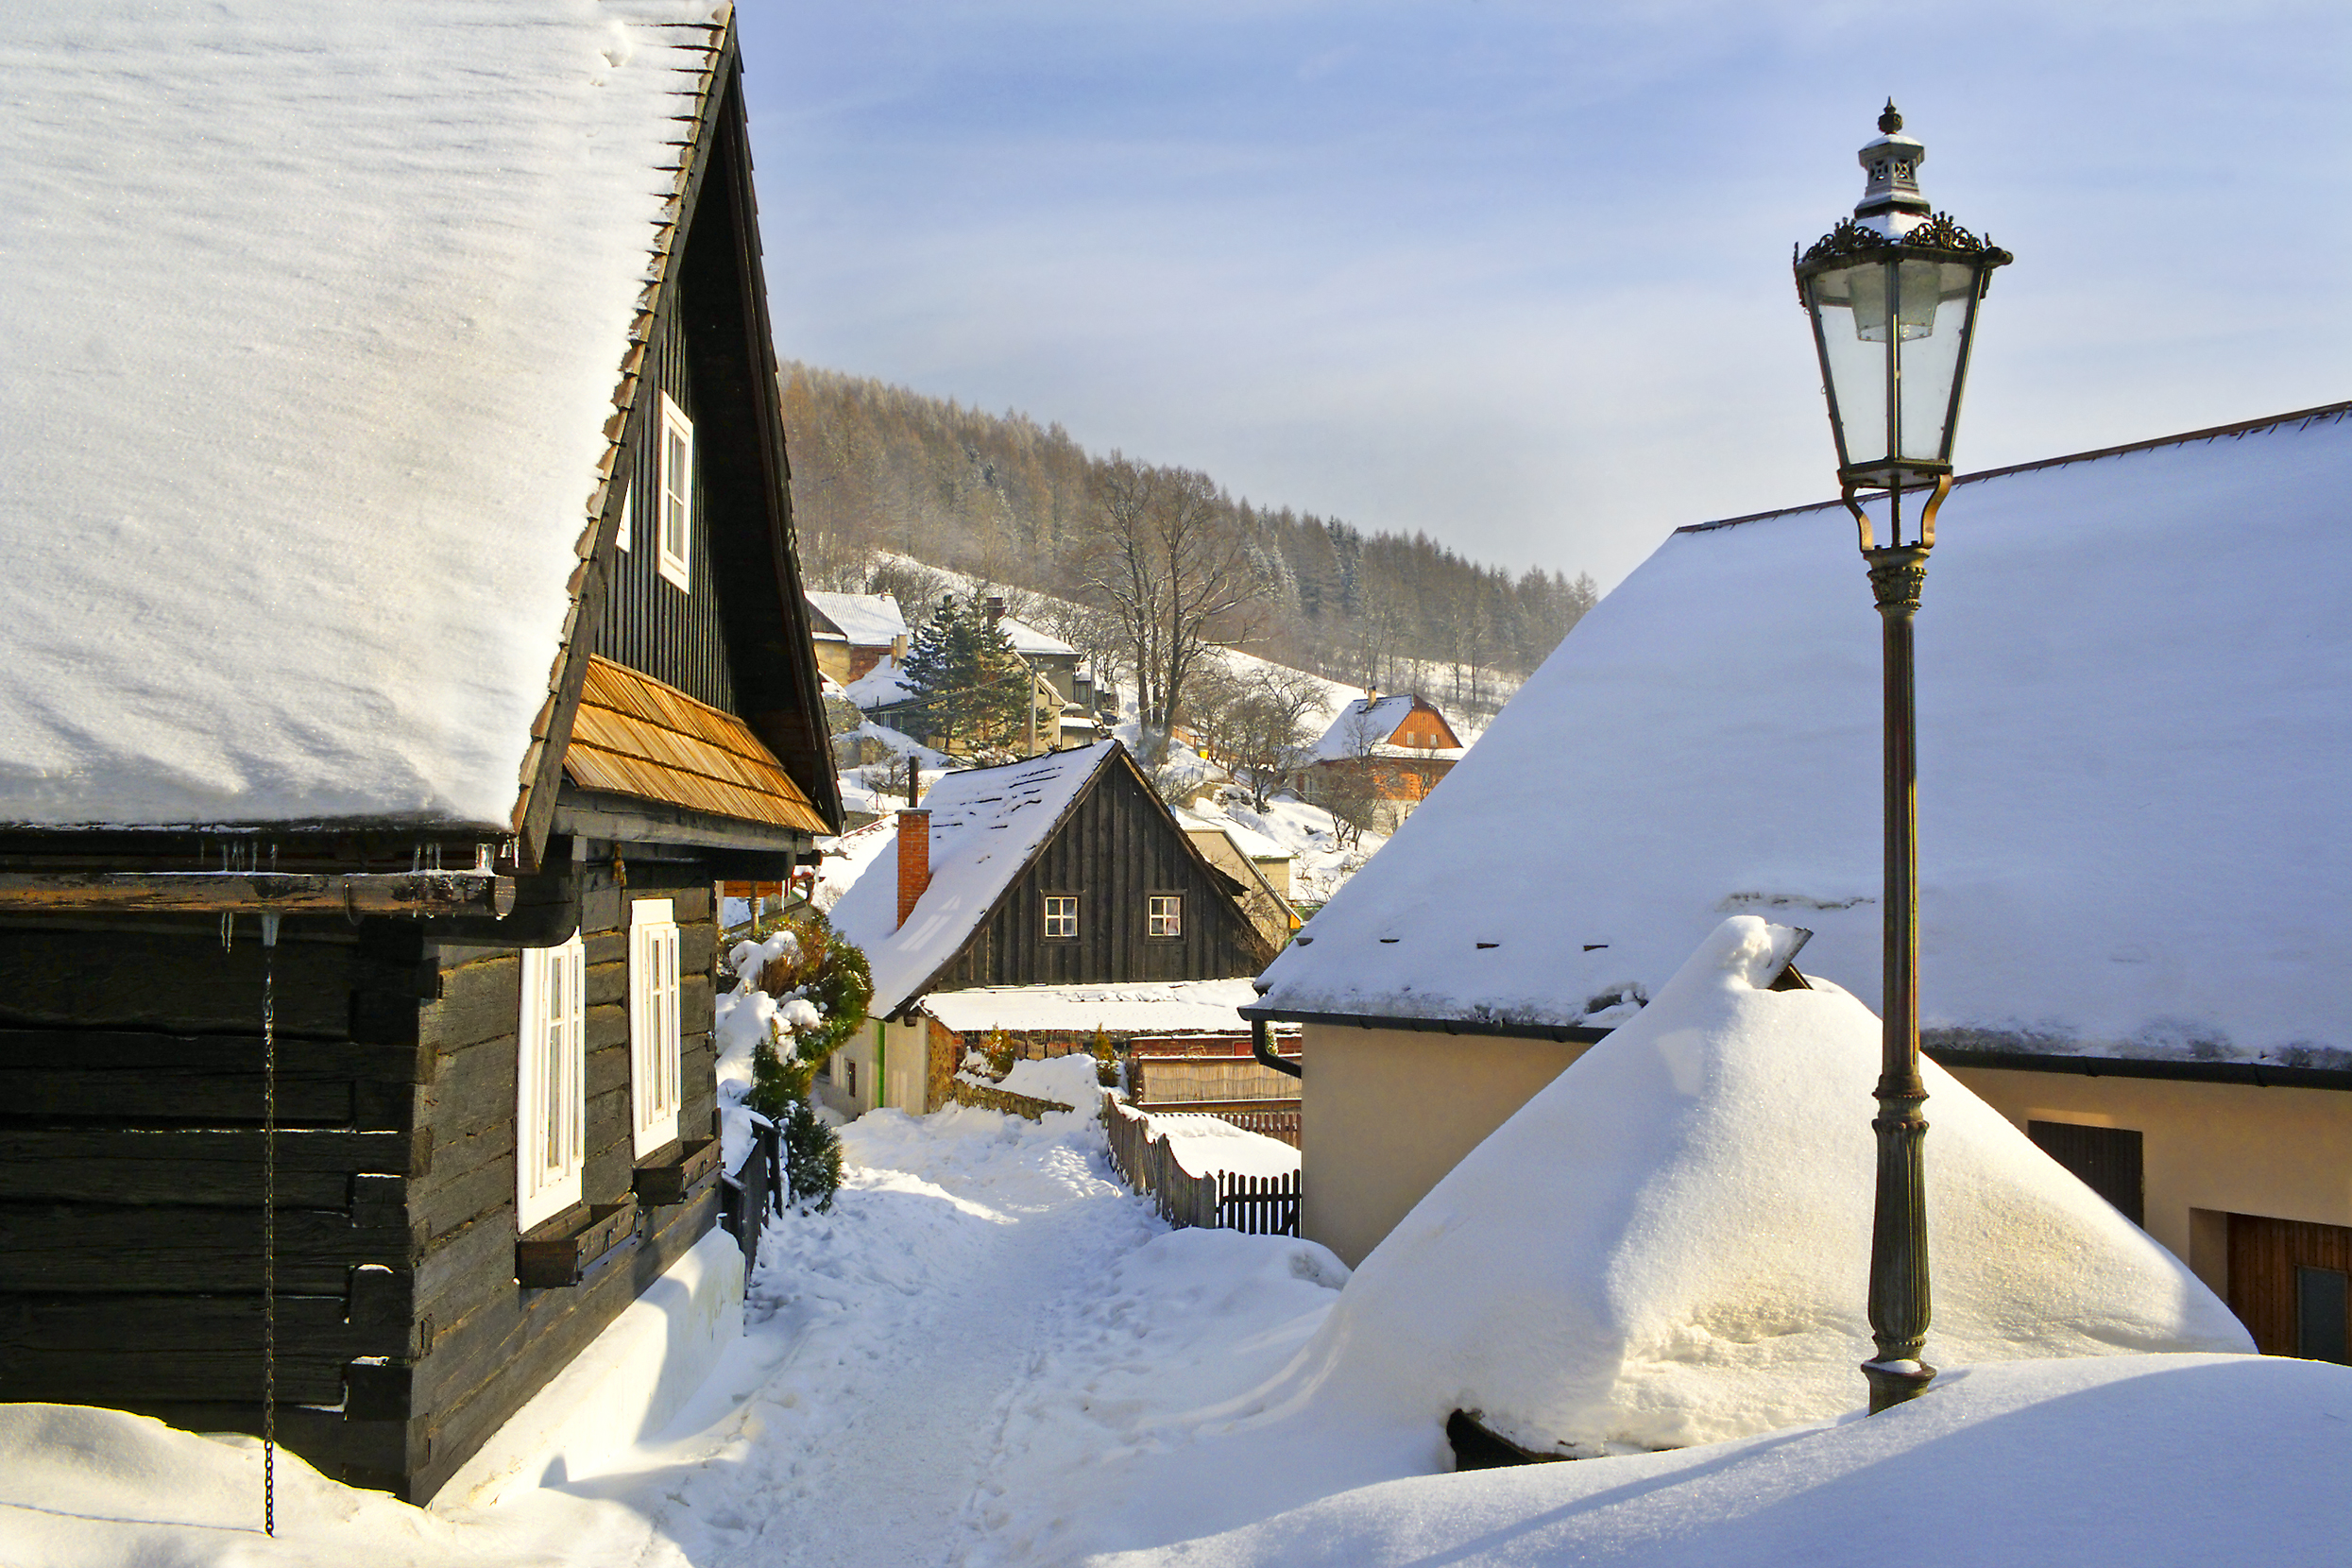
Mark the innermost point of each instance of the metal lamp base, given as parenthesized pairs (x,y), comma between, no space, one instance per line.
(1894,1382)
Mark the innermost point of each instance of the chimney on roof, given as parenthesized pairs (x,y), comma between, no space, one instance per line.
(1372,694)
(996,608)
(914,859)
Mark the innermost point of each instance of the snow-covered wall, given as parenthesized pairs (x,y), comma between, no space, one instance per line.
(315,317)
(2132,678)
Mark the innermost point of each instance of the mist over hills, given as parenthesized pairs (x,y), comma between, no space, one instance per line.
(879,470)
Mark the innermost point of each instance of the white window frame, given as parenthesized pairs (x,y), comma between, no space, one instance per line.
(1054,916)
(673,497)
(654,1042)
(551,1083)
(1163,915)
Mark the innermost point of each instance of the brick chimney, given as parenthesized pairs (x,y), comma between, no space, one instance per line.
(914,859)
(996,608)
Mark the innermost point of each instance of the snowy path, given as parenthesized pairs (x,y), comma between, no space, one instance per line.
(914,1313)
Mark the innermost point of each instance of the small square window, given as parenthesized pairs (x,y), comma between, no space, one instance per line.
(1061,915)
(1167,914)
(673,545)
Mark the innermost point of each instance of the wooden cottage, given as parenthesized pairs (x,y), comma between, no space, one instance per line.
(1390,751)
(855,632)
(1060,869)
(393,661)
(2132,850)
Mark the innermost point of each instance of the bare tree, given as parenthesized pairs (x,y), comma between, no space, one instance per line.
(1169,556)
(1253,723)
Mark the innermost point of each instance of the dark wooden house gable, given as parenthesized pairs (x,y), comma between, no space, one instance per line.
(414,1316)
(1115,849)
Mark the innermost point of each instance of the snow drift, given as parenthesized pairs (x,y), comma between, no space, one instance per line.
(1670,1244)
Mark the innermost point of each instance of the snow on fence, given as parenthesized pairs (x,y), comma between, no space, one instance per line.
(1254,1205)
(754,1190)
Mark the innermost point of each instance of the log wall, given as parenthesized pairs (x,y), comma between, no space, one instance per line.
(130,1174)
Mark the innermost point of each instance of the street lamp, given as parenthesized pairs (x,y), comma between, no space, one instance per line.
(1893,293)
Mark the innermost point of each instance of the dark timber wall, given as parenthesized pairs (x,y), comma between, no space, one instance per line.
(1116,849)
(130,1175)
(650,623)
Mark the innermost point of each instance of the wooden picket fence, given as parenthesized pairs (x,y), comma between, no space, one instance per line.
(1254,1205)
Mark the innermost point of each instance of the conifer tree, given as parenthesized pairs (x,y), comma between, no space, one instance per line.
(970,686)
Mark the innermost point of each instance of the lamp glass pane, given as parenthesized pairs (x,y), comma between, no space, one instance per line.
(1937,294)
(1849,308)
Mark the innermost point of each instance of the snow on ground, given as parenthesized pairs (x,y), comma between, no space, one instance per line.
(1065,1080)
(2140,1461)
(990,1353)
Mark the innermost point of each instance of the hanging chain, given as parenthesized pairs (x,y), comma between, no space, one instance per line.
(269,1225)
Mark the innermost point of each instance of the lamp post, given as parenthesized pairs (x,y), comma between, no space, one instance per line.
(1893,293)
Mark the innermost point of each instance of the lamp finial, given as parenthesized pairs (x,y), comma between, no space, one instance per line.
(1891,202)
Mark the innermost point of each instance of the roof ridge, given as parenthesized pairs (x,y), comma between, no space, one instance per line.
(2329,412)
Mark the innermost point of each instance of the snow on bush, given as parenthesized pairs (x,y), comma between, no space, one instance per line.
(1670,1243)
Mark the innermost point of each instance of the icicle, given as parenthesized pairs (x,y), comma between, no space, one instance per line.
(269,1222)
(227,931)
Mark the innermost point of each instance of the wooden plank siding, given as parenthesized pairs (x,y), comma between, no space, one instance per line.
(1117,849)
(2264,1254)
(651,624)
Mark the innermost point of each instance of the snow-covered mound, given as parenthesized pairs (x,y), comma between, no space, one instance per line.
(1065,1080)
(1670,1244)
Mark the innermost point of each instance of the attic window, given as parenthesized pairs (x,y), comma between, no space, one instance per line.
(673,548)
(1164,915)
(1061,916)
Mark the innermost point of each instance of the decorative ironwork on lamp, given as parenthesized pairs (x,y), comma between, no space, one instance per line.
(1893,294)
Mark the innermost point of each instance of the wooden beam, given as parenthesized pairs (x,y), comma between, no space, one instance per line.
(260,892)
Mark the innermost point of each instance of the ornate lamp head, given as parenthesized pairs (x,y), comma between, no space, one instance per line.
(1893,293)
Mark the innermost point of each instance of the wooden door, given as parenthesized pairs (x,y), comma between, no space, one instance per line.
(2287,1284)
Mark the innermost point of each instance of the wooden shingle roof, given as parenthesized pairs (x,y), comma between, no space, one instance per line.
(635,736)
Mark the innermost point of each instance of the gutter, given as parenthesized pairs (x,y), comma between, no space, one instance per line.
(1262,1048)
(2259,1075)
(1565,1033)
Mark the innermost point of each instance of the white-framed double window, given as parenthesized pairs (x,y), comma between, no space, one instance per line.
(1061,915)
(654,1039)
(673,545)
(551,1082)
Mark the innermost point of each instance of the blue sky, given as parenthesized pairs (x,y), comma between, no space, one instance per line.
(1517,274)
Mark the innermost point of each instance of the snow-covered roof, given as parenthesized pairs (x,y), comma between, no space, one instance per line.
(316,317)
(867,619)
(1364,727)
(986,825)
(881,685)
(1670,1243)
(2132,759)
(1028,639)
(1153,1007)
(1249,841)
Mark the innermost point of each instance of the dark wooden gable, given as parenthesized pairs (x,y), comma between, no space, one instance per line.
(1115,848)
(738,639)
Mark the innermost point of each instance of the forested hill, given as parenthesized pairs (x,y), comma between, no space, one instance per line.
(878,468)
